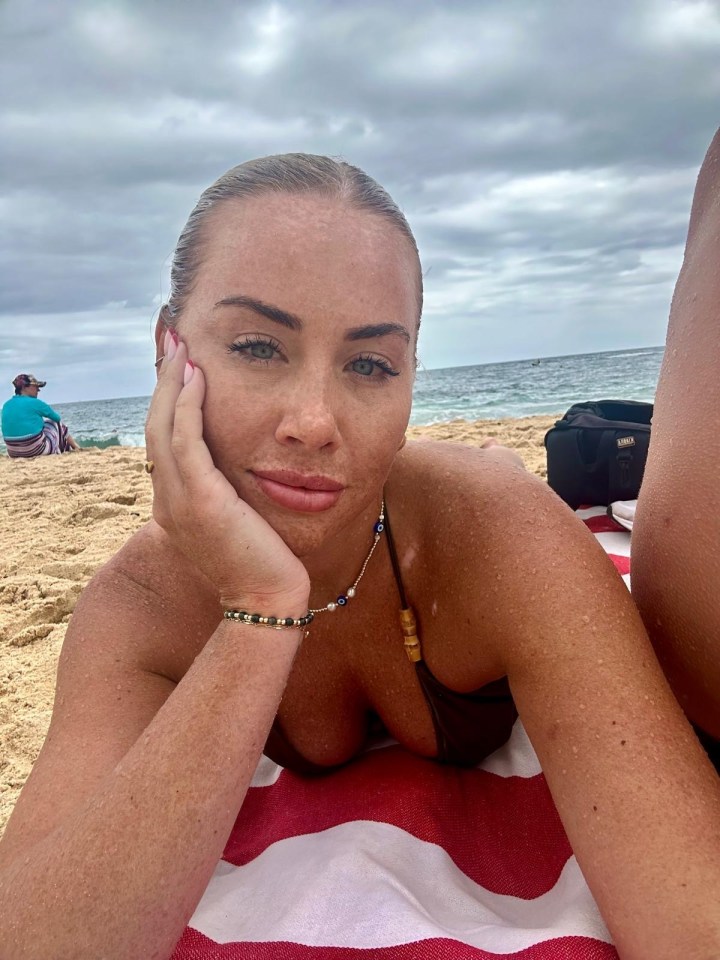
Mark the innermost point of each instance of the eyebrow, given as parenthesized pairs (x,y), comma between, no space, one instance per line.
(293,322)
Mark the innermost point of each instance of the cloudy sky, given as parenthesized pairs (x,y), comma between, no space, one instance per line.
(544,152)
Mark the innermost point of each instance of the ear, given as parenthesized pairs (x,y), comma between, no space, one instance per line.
(160,329)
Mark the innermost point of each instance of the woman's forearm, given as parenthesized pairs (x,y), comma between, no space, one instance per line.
(121,877)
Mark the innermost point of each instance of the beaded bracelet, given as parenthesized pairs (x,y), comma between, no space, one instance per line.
(255,619)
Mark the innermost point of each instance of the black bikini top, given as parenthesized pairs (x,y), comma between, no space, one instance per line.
(468,726)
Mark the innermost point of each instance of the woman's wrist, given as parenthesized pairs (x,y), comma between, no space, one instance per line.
(280,607)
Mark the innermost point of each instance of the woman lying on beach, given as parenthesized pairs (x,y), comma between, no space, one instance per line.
(281,485)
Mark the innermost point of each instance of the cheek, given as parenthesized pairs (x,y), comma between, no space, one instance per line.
(235,419)
(375,435)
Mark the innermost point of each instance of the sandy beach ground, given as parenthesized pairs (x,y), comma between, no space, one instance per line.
(61,518)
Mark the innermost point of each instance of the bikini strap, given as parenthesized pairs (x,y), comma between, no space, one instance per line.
(407,615)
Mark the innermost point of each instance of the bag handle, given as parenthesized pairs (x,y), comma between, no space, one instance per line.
(603,453)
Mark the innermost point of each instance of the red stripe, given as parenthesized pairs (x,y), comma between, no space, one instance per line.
(603,524)
(622,564)
(502,832)
(195,946)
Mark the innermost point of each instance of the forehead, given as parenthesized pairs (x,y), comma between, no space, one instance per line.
(302,251)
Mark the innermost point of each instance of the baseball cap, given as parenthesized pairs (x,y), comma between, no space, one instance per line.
(27,380)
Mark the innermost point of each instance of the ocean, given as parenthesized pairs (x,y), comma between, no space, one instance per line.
(490,391)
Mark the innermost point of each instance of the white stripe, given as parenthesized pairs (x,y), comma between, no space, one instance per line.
(591,512)
(516,758)
(266,773)
(618,543)
(369,885)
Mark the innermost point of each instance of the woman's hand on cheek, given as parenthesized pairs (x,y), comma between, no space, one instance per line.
(199,509)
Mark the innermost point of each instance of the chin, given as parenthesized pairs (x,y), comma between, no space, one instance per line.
(303,532)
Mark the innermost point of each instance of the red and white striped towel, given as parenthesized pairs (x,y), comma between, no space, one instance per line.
(395,857)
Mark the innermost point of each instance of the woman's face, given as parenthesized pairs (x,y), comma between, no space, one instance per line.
(303,319)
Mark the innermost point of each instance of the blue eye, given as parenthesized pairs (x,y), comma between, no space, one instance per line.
(261,351)
(364,367)
(257,349)
(372,368)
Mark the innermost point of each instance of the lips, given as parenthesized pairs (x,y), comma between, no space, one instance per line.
(305,493)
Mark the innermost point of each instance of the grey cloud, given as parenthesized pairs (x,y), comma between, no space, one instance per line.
(119,114)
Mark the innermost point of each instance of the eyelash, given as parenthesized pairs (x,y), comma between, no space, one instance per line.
(383,366)
(244,346)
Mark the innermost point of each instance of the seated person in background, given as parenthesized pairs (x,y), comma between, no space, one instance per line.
(283,489)
(30,427)
(676,561)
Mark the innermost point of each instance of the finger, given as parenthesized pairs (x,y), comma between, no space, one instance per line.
(167,389)
(194,460)
(161,417)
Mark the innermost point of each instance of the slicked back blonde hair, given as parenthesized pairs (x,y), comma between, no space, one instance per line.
(291,173)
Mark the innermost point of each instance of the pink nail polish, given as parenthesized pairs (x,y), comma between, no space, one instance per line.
(171,344)
(189,371)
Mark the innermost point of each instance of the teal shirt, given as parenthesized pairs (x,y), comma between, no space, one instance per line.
(24,417)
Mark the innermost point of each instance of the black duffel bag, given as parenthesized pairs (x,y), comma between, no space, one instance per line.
(596,454)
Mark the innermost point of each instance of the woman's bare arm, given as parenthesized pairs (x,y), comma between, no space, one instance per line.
(115,836)
(635,791)
(676,562)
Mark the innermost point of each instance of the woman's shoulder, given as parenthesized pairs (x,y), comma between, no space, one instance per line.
(152,585)
(458,480)
(460,504)
(149,559)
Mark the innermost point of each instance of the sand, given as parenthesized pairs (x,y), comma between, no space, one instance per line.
(61,518)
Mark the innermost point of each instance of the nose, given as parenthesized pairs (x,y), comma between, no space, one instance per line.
(309,416)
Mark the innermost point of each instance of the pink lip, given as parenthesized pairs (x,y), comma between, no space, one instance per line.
(297,491)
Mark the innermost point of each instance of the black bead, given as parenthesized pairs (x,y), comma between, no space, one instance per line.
(272,621)
(255,618)
(289,622)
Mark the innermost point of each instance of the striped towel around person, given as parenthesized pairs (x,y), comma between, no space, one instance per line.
(51,439)
(395,857)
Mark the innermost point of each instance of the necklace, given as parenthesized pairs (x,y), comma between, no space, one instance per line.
(342,600)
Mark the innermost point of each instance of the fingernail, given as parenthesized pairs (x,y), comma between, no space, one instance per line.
(189,371)
(171,344)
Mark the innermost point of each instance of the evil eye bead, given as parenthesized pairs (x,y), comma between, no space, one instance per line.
(342,600)
(379,527)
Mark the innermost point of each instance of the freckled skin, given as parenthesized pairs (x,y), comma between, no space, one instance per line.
(504,580)
(676,561)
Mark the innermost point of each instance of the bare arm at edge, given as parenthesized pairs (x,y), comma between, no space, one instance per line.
(143,827)
(676,562)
